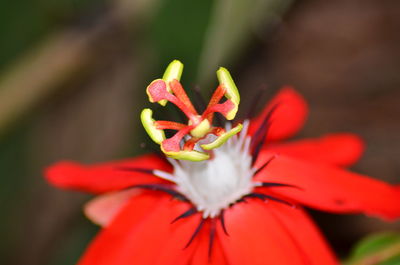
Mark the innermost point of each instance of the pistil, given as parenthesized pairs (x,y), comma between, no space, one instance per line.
(182,144)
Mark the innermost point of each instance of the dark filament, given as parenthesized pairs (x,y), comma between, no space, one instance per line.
(222,219)
(196,232)
(264,165)
(275,184)
(164,188)
(255,102)
(240,200)
(261,133)
(211,239)
(198,99)
(188,213)
(265,197)
(192,211)
(137,169)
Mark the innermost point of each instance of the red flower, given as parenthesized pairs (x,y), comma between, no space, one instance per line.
(243,206)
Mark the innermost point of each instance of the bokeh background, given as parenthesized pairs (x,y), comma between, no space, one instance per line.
(73,74)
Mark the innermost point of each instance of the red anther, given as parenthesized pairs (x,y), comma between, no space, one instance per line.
(215,98)
(158,90)
(173,144)
(223,108)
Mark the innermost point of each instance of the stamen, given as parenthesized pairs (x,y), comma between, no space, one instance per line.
(157,91)
(163,125)
(215,98)
(225,109)
(181,95)
(199,126)
(173,144)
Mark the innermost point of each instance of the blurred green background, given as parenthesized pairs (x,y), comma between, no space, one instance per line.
(73,73)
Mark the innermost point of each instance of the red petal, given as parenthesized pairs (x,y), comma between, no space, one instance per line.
(105,177)
(305,235)
(143,234)
(336,149)
(102,209)
(331,188)
(288,118)
(257,237)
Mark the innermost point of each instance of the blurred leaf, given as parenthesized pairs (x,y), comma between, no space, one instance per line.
(61,57)
(231,26)
(379,249)
(75,243)
(178,32)
(207,34)
(23,23)
(13,165)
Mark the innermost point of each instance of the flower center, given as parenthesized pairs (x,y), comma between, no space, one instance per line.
(215,184)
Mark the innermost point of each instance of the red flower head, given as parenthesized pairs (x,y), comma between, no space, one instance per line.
(240,203)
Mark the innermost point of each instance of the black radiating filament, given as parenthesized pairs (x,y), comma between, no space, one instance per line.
(188,213)
(265,197)
(196,232)
(261,133)
(161,187)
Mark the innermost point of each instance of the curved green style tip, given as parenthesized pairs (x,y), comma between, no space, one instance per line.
(194,156)
(223,138)
(148,123)
(173,71)
(225,79)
